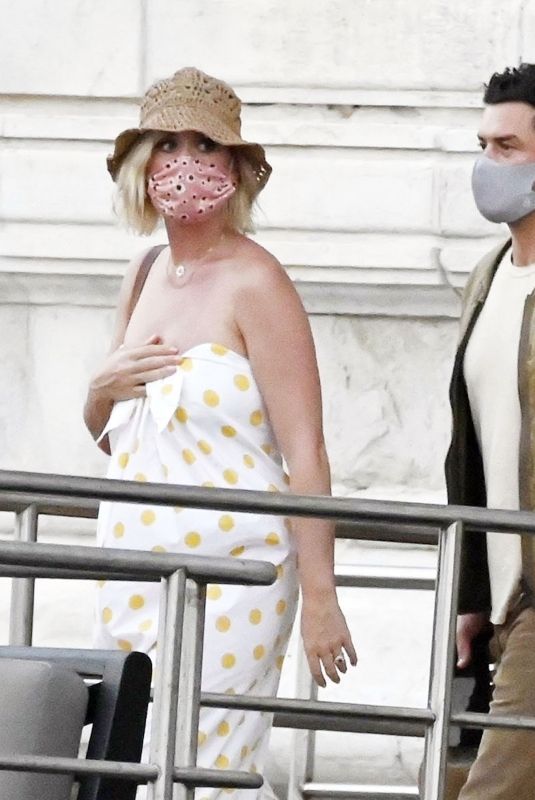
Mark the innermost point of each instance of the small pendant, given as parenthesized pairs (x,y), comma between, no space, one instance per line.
(180,270)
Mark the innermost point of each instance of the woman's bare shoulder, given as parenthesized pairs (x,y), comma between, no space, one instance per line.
(256,265)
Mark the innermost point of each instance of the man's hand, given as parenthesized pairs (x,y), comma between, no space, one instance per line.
(468,627)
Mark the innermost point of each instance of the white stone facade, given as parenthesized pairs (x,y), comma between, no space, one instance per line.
(368,110)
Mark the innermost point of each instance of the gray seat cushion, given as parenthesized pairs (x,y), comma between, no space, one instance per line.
(42,712)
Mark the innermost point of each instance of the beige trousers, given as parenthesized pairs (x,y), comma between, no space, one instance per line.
(505,765)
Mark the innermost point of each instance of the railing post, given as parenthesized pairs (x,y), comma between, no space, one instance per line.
(304,741)
(442,657)
(23,589)
(164,716)
(189,690)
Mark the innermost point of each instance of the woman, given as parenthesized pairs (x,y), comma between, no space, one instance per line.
(212,380)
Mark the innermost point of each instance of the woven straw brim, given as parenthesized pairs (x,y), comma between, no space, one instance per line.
(189,118)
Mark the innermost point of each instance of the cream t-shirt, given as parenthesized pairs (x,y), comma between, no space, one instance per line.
(491,375)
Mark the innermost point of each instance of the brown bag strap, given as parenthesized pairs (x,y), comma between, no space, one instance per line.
(141,276)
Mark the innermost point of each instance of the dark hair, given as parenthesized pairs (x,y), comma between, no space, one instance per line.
(514,84)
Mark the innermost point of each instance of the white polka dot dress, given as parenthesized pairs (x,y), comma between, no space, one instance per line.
(206,426)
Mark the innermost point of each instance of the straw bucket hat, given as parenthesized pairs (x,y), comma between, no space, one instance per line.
(190,100)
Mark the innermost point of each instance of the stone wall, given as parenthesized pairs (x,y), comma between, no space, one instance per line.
(368,110)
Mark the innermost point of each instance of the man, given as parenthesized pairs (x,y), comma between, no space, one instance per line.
(491,461)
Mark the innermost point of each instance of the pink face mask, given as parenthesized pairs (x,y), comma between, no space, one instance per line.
(189,189)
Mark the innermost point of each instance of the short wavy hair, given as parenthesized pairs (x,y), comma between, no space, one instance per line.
(514,84)
(135,210)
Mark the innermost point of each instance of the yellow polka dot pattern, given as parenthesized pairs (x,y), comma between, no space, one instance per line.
(181,415)
(136,602)
(118,530)
(242,382)
(209,428)
(123,460)
(189,456)
(231,476)
(211,398)
(213,591)
(226,523)
(222,624)
(192,539)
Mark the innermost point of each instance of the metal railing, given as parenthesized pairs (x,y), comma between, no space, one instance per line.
(173,747)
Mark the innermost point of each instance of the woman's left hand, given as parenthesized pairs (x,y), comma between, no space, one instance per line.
(325,638)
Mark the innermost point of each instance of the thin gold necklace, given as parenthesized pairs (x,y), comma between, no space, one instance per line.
(180,270)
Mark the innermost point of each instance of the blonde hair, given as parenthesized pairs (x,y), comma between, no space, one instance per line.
(135,210)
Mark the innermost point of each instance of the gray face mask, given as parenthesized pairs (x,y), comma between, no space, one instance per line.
(503,192)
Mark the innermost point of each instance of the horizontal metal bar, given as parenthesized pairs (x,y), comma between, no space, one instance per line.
(50,506)
(88,509)
(378,577)
(470,719)
(339,508)
(142,773)
(322,715)
(16,571)
(217,778)
(135,563)
(326,721)
(353,577)
(372,530)
(354,791)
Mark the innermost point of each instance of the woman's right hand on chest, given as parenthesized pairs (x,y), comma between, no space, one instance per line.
(127,369)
